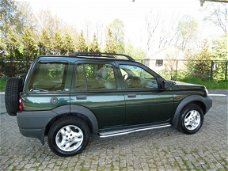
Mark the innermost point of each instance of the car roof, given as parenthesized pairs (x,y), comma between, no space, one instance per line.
(94,56)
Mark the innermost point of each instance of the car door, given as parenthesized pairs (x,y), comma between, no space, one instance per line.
(145,102)
(47,86)
(95,87)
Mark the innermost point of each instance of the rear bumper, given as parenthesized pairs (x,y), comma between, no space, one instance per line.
(33,124)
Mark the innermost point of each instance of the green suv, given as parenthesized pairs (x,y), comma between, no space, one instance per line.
(70,98)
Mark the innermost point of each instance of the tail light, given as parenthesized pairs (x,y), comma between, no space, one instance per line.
(20,105)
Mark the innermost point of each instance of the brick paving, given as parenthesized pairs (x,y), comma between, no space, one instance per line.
(164,149)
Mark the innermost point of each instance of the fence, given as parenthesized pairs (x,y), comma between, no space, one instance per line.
(175,69)
(168,68)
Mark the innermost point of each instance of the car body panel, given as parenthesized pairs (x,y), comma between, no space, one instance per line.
(149,107)
(109,108)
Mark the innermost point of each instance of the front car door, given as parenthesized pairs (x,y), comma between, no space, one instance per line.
(145,103)
(95,87)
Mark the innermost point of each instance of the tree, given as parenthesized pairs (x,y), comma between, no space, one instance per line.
(10,42)
(14,48)
(8,17)
(115,37)
(25,16)
(110,45)
(81,45)
(49,22)
(58,47)
(187,29)
(219,48)
(199,63)
(30,48)
(136,53)
(45,44)
(218,16)
(68,44)
(219,52)
(152,24)
(94,46)
(2,47)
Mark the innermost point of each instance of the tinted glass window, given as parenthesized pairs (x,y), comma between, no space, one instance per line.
(95,77)
(137,78)
(48,77)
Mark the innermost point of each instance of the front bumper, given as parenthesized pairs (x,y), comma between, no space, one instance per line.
(208,103)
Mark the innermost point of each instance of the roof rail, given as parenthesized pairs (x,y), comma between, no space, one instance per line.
(101,54)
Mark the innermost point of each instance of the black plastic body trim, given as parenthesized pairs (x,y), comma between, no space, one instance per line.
(207,101)
(34,123)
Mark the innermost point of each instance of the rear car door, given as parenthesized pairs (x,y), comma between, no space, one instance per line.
(95,87)
(145,103)
(47,86)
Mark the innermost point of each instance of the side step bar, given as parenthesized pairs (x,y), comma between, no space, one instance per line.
(131,130)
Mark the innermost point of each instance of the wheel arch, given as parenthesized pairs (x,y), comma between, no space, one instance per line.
(193,99)
(73,110)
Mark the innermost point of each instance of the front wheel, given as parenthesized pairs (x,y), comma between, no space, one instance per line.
(68,136)
(191,119)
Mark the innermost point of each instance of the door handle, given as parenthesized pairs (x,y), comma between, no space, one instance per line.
(81,97)
(131,95)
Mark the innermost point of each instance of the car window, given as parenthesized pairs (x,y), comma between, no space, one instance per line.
(95,77)
(137,78)
(48,77)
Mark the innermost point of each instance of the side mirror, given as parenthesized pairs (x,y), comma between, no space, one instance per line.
(161,82)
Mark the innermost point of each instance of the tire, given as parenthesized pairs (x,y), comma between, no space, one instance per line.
(191,119)
(12,93)
(58,134)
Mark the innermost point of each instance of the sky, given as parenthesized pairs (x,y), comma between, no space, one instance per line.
(83,13)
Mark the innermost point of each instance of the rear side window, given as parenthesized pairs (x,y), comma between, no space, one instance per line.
(95,77)
(49,77)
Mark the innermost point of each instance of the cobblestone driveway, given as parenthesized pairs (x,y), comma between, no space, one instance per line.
(164,149)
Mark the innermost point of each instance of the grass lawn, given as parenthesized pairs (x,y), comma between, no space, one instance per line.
(2,84)
(210,84)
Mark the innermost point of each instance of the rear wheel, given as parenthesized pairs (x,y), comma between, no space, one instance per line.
(12,93)
(191,119)
(68,136)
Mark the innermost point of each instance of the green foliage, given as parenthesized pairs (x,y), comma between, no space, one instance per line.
(94,46)
(219,48)
(110,43)
(199,63)
(219,52)
(134,52)
(14,47)
(210,84)
(30,48)
(58,46)
(81,45)
(2,84)
(68,44)
(115,37)
(45,44)
(23,39)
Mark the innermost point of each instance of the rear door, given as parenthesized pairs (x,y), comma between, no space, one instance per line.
(47,86)
(95,87)
(145,103)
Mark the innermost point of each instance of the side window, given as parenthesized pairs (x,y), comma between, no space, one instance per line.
(137,78)
(49,77)
(95,77)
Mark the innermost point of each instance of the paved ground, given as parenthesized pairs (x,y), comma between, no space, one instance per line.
(164,149)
